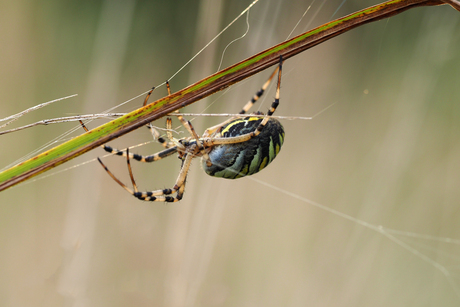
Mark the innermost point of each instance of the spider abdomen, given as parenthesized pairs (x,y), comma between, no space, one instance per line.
(237,160)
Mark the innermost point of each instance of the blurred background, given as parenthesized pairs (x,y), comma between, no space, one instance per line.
(386,152)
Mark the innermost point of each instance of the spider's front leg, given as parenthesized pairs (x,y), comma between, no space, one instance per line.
(170,149)
(151,158)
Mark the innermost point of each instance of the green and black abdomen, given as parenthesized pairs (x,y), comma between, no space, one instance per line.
(237,160)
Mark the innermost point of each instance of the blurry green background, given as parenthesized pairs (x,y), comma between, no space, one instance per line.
(387,152)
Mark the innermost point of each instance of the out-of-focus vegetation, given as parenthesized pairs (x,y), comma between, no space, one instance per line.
(386,153)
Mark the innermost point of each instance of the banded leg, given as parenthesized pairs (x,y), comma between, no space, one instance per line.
(156,135)
(170,147)
(245,137)
(148,96)
(257,95)
(158,195)
(179,186)
(163,195)
(188,125)
(212,130)
(150,158)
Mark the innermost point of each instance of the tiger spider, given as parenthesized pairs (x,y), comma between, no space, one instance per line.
(238,147)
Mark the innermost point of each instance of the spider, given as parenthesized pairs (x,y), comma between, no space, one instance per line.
(238,147)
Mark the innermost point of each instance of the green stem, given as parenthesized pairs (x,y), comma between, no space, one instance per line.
(205,87)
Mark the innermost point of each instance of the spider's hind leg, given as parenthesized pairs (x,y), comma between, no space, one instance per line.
(245,137)
(259,93)
(274,104)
